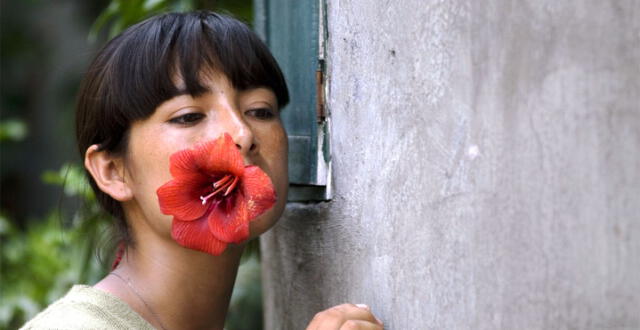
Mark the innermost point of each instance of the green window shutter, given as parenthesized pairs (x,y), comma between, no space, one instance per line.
(291,30)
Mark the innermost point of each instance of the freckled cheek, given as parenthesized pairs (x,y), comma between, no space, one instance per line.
(162,166)
(151,170)
(276,150)
(279,166)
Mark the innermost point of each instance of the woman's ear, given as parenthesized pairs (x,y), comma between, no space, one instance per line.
(108,172)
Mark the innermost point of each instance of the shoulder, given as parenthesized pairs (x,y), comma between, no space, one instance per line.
(85,307)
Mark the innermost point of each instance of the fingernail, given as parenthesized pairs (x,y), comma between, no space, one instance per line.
(362,306)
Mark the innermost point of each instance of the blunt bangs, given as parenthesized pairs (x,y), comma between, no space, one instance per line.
(137,71)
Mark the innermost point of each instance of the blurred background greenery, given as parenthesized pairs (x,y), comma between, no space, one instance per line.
(52,232)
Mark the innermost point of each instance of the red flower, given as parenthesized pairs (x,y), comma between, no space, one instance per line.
(213,196)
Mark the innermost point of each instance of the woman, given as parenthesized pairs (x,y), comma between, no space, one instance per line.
(170,102)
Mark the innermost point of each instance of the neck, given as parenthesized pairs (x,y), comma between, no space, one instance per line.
(177,288)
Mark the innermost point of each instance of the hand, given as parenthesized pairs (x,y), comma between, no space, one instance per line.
(345,317)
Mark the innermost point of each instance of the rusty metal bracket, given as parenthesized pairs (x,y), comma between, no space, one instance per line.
(320,104)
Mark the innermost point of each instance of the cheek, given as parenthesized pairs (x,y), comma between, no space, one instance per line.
(148,170)
(275,157)
(278,159)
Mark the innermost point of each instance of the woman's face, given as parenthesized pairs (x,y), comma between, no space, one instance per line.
(251,118)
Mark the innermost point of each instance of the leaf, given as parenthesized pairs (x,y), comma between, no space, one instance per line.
(72,178)
(102,19)
(13,130)
(153,5)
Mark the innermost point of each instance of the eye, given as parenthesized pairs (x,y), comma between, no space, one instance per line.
(187,119)
(261,113)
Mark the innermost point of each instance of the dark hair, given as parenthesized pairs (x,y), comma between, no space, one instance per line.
(136,71)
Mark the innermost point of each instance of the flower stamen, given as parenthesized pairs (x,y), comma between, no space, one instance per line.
(222,181)
(225,184)
(231,186)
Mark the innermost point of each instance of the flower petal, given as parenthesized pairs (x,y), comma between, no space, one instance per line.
(181,198)
(182,163)
(220,156)
(258,189)
(229,219)
(196,235)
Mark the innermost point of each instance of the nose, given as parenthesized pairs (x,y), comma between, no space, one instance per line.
(241,133)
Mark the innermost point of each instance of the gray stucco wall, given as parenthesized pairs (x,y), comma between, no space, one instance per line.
(486,169)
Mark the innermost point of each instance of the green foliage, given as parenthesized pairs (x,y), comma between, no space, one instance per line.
(41,262)
(121,14)
(245,308)
(72,178)
(13,130)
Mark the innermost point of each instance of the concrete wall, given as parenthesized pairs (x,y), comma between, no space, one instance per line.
(486,169)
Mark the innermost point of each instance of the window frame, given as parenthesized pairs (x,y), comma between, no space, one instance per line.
(297,42)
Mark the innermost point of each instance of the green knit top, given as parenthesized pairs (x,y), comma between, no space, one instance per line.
(85,307)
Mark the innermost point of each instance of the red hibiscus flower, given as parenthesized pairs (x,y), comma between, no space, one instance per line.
(213,196)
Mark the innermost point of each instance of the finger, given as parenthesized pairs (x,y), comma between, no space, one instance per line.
(360,325)
(335,317)
(357,312)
